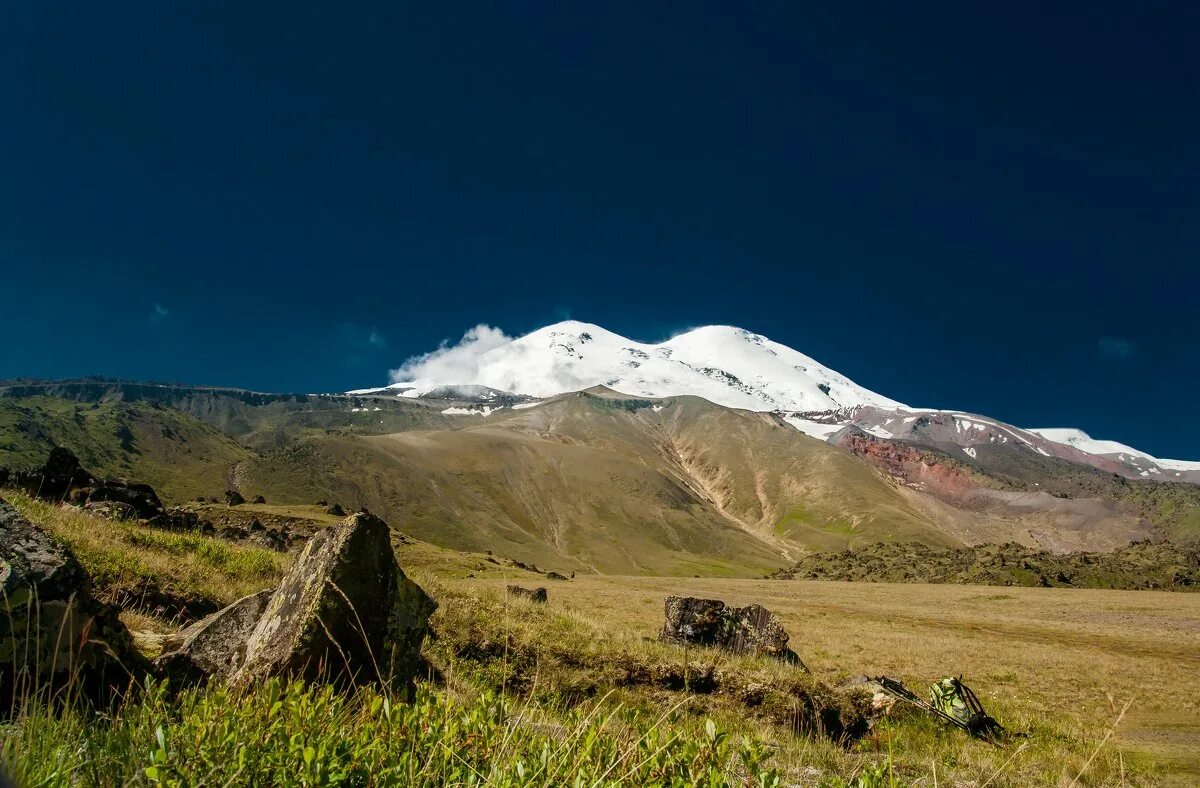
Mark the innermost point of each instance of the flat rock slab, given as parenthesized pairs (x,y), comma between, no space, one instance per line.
(213,647)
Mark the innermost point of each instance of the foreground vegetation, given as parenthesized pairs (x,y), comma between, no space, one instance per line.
(292,734)
(174,574)
(579,692)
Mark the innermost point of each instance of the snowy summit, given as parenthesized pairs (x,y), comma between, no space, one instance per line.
(726,365)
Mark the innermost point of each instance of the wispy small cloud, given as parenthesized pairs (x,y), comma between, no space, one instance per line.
(355,343)
(1117,348)
(158,314)
(458,362)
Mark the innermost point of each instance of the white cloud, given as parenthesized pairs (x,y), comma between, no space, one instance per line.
(457,363)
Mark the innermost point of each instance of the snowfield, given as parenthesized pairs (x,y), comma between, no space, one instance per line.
(727,365)
(1084,442)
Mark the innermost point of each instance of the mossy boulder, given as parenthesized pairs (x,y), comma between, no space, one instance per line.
(54,634)
(345,612)
(138,497)
(739,630)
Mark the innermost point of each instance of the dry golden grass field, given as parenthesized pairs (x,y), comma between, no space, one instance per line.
(1066,657)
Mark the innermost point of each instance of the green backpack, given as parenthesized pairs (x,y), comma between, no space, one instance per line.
(955,701)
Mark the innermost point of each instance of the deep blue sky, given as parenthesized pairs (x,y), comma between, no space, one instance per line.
(994,209)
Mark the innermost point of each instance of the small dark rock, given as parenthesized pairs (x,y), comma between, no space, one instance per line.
(234,498)
(336,510)
(538,595)
(555,576)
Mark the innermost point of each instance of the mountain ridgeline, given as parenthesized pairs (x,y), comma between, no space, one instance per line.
(591,481)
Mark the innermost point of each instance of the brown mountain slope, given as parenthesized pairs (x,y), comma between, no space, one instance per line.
(611,484)
(593,481)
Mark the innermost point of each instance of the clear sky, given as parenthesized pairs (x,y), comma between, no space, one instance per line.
(993,207)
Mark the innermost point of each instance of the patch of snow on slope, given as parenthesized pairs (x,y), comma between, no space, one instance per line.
(1084,442)
(485,410)
(814,428)
(1181,465)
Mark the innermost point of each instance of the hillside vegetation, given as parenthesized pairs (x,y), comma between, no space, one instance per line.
(179,455)
(1167,566)
(589,482)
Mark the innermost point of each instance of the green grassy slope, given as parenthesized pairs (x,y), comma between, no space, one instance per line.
(177,454)
(254,419)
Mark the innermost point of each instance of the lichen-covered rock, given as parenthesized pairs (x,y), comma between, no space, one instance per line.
(139,497)
(53,632)
(111,510)
(344,612)
(213,647)
(532,594)
(739,630)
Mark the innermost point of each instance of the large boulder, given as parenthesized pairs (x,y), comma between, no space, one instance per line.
(138,497)
(54,633)
(344,612)
(739,630)
(213,647)
(55,479)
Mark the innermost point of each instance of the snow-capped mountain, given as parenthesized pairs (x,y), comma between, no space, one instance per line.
(723,364)
(1145,464)
(735,368)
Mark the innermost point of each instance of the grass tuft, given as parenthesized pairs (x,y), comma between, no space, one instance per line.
(142,567)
